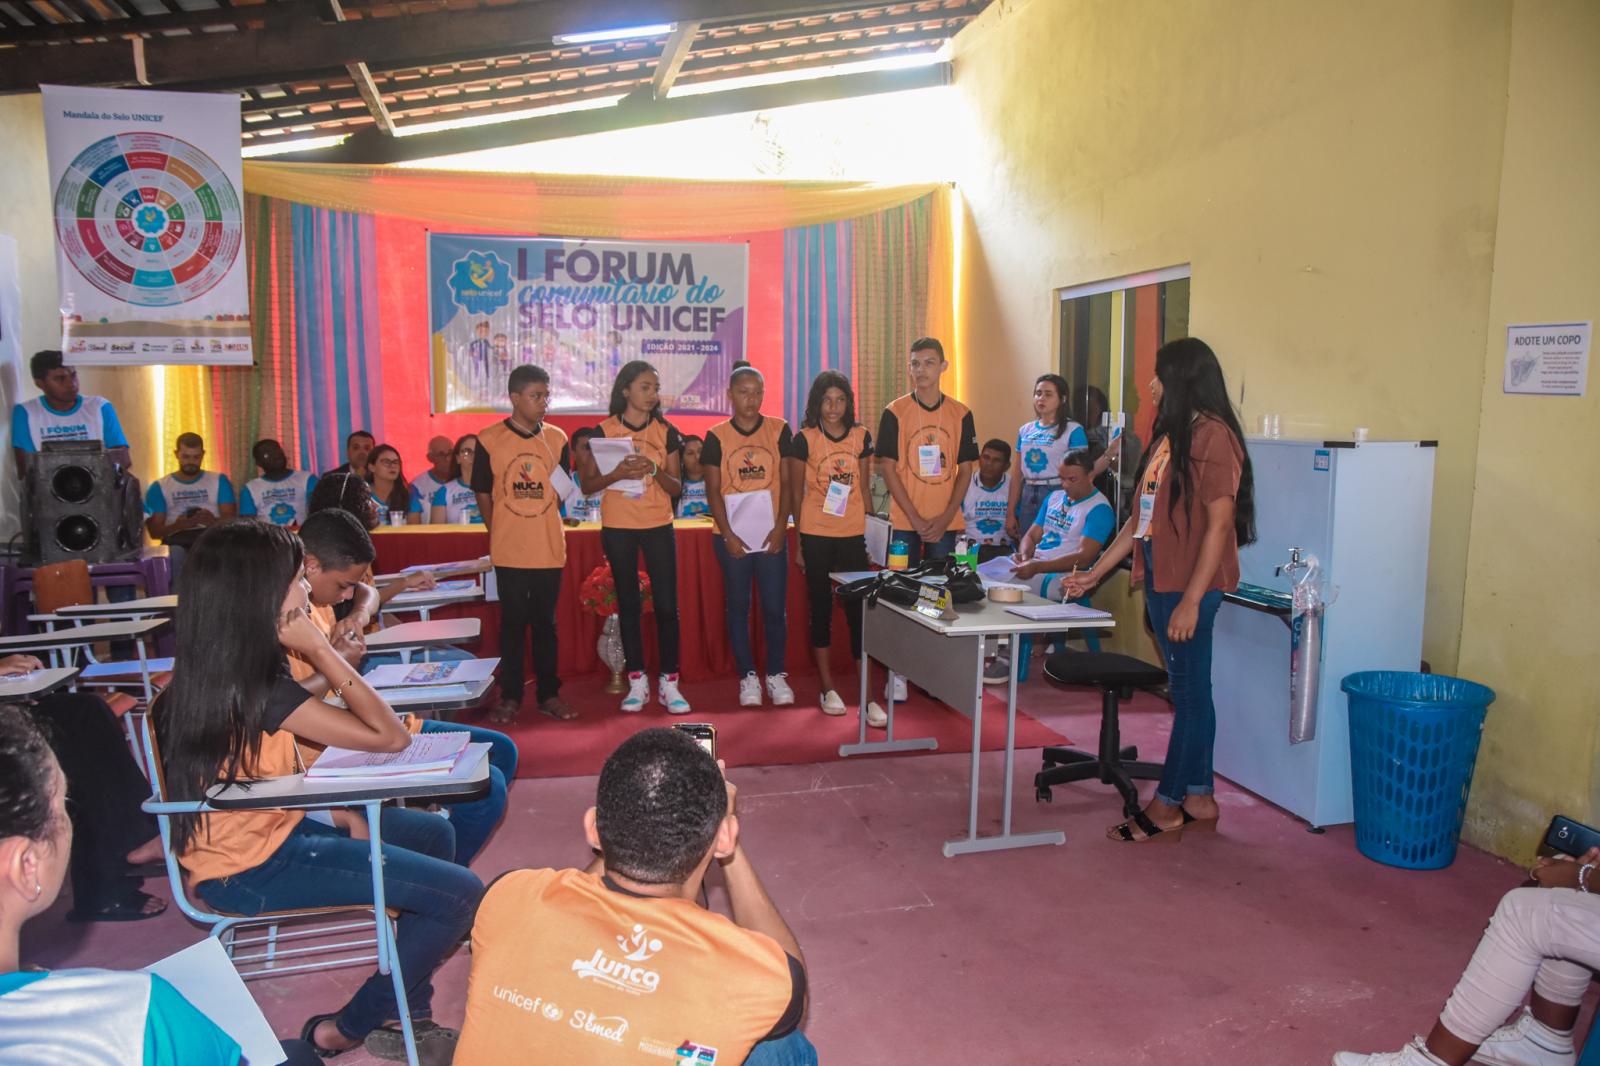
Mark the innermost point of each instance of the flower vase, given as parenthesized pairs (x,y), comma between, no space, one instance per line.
(609,648)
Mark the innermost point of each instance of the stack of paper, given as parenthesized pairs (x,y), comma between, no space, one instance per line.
(428,753)
(463,672)
(1058,612)
(608,452)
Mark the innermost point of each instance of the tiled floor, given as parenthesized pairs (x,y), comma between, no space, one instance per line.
(1262,946)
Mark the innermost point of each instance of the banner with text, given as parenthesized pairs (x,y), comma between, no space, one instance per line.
(581,309)
(149,226)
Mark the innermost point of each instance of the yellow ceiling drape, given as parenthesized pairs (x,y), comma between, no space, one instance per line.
(576,205)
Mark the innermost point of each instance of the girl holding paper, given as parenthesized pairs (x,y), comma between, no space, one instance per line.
(829,465)
(745,486)
(636,520)
(233,713)
(1196,509)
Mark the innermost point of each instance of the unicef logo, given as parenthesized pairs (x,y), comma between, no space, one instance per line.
(1035,459)
(281,514)
(481,282)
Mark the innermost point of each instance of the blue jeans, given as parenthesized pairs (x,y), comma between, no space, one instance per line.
(938,549)
(769,573)
(1187,771)
(792,1049)
(319,866)
(476,819)
(1032,498)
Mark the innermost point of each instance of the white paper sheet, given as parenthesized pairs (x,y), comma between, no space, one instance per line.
(205,976)
(1055,612)
(878,540)
(750,517)
(1000,569)
(608,452)
(127,668)
(428,753)
(562,482)
(460,672)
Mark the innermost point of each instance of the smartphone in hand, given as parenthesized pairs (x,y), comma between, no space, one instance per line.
(1570,837)
(703,733)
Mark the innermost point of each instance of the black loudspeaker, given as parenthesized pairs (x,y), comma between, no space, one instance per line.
(78,506)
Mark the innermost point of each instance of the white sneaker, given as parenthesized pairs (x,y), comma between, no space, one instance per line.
(1527,1042)
(638,694)
(832,704)
(778,688)
(669,696)
(899,689)
(877,717)
(749,691)
(998,672)
(1410,1055)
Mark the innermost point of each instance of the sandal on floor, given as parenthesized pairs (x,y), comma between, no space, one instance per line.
(130,908)
(557,708)
(435,1043)
(308,1034)
(504,713)
(1198,825)
(1153,833)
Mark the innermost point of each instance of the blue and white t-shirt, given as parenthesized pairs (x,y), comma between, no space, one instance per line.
(582,508)
(424,488)
(384,510)
(176,497)
(693,501)
(282,502)
(985,510)
(458,500)
(1042,451)
(104,1016)
(1067,522)
(89,418)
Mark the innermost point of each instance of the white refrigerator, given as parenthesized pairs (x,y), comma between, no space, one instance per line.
(1363,510)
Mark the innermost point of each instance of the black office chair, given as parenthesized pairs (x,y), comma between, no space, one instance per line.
(1116,676)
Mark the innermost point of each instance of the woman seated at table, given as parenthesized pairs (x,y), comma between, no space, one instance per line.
(232,714)
(112,837)
(77,1015)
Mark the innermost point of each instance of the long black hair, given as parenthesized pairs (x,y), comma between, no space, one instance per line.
(625,378)
(348,492)
(208,721)
(1063,412)
(829,379)
(1192,385)
(400,494)
(455,452)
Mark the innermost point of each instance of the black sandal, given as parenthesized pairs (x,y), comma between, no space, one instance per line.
(130,908)
(1151,831)
(308,1033)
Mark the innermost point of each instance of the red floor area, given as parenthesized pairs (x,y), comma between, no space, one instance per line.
(1262,946)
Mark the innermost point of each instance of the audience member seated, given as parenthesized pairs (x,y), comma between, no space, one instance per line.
(1544,939)
(578,507)
(338,554)
(280,495)
(620,953)
(358,448)
(112,837)
(183,505)
(441,460)
(77,1016)
(61,414)
(390,494)
(245,605)
(988,500)
(454,502)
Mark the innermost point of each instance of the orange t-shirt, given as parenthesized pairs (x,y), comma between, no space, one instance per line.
(514,468)
(568,967)
(749,462)
(653,441)
(830,462)
(947,430)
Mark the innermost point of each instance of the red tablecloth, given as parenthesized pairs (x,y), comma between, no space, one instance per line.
(702,616)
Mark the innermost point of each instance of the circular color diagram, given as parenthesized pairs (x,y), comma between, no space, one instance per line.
(148,218)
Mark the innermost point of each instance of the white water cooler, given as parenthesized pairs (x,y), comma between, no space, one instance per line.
(1363,510)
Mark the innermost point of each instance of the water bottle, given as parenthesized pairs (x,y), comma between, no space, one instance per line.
(899,554)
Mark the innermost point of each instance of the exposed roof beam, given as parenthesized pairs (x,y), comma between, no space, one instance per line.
(672,57)
(282,14)
(362,77)
(373,148)
(274,55)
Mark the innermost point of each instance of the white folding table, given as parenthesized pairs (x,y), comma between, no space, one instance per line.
(408,637)
(36,684)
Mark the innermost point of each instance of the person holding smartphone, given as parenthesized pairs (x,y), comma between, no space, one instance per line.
(1196,509)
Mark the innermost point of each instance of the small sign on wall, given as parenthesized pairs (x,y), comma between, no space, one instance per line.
(1549,359)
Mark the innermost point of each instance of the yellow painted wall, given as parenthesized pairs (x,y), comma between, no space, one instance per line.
(1534,559)
(1336,174)
(25,215)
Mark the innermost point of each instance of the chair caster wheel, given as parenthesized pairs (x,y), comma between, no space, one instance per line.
(1042,795)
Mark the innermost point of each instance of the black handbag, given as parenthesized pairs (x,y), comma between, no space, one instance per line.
(904,587)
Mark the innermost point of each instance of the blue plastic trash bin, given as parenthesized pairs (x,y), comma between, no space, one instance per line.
(1413,746)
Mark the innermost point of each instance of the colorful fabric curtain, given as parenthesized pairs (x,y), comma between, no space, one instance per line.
(818,309)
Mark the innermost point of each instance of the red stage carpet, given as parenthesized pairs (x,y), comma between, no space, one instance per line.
(746,736)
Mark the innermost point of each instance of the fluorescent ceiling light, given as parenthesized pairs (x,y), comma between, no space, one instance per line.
(627,33)
(303,144)
(901,61)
